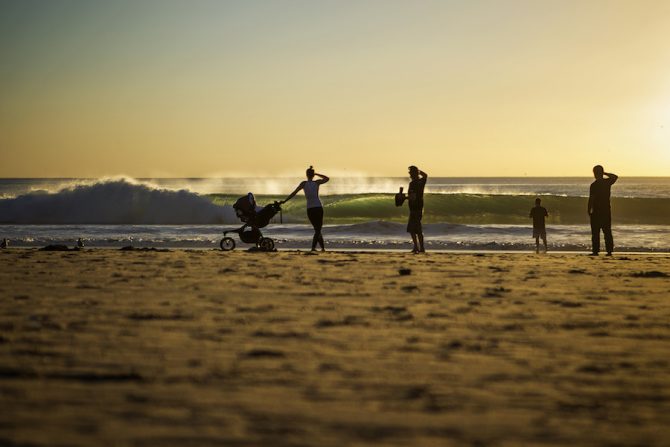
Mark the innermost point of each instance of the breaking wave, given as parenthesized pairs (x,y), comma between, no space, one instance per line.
(113,202)
(124,201)
(471,209)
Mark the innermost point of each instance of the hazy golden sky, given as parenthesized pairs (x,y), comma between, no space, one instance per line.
(460,88)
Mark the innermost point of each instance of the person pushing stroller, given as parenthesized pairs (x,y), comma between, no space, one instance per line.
(314,207)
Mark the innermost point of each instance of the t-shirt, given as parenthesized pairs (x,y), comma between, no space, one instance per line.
(538,213)
(311,189)
(415,193)
(600,195)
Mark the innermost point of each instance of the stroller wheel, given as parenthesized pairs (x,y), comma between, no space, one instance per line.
(266,244)
(227,244)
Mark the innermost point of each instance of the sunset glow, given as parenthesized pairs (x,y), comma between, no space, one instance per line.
(209,88)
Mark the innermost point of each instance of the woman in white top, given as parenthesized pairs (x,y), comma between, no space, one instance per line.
(314,207)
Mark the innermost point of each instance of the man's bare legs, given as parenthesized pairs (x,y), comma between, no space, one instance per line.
(417,238)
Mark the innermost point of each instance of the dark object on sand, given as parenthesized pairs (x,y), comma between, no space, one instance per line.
(57,247)
(405,272)
(495,292)
(4,243)
(131,248)
(650,274)
(250,233)
(80,243)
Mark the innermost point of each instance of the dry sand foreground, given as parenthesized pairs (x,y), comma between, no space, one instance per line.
(200,348)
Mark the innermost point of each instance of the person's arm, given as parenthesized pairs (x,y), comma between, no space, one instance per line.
(589,208)
(612,177)
(546,213)
(300,186)
(423,174)
(324,178)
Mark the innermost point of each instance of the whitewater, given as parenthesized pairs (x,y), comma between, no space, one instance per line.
(460,213)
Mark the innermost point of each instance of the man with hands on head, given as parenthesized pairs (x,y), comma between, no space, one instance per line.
(415,202)
(600,211)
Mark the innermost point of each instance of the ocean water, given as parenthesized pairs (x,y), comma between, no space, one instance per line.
(460,213)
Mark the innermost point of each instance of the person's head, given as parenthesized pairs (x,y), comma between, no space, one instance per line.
(310,173)
(413,172)
(538,201)
(598,171)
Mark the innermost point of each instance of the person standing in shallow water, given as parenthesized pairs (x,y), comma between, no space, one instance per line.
(314,206)
(415,202)
(600,211)
(538,213)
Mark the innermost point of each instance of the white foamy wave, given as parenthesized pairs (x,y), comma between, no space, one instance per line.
(634,187)
(114,201)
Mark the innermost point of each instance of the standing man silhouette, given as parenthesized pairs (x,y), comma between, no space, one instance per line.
(538,213)
(600,211)
(415,202)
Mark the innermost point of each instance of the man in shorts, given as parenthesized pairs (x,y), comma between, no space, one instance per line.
(538,213)
(415,202)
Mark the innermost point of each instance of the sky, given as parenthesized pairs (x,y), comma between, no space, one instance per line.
(164,88)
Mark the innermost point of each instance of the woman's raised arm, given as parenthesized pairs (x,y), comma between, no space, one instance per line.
(300,186)
(324,178)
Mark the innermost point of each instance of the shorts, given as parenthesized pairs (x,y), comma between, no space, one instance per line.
(540,232)
(414,222)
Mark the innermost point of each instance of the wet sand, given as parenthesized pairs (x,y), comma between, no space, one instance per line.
(200,348)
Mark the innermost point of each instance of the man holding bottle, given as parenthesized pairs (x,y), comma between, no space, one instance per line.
(415,202)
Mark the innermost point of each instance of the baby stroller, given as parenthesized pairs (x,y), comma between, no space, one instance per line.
(254,219)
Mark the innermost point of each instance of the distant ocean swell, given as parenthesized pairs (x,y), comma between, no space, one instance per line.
(475,209)
(113,202)
(120,202)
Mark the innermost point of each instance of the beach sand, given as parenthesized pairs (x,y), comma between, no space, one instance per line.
(200,348)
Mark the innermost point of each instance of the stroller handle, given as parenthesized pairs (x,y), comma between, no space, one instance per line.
(281,216)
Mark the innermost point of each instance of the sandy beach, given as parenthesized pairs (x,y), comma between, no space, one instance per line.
(197,348)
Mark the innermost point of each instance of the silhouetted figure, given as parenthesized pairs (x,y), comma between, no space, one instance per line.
(4,243)
(314,206)
(80,243)
(600,211)
(538,213)
(415,202)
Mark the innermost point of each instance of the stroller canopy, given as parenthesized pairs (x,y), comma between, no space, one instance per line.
(245,208)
